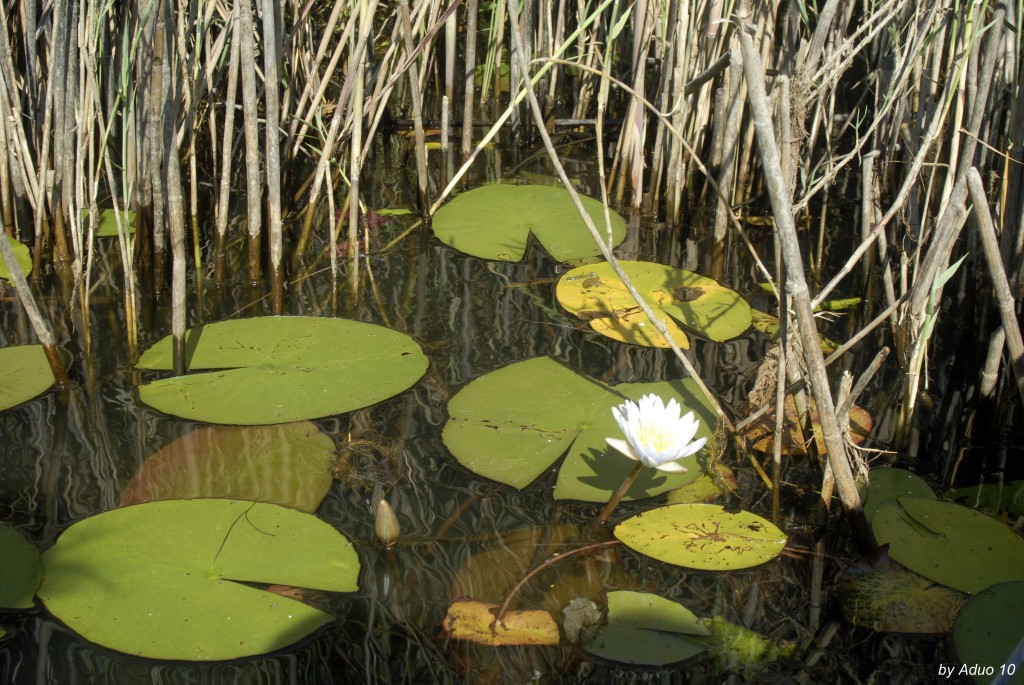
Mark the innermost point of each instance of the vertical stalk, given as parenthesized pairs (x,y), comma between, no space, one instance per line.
(226,171)
(273,153)
(417,111)
(252,153)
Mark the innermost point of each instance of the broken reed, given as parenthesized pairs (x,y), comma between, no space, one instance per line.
(125,103)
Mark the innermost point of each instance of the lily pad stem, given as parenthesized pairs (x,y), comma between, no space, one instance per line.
(619,494)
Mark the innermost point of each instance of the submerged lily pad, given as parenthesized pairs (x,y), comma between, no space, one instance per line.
(21,253)
(949,543)
(20,570)
(1003,499)
(280,369)
(24,373)
(875,592)
(595,294)
(495,222)
(703,536)
(988,629)
(287,464)
(649,630)
(167,580)
(514,423)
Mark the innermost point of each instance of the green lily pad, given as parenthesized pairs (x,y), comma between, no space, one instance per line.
(495,222)
(167,580)
(595,294)
(21,254)
(769,325)
(649,630)
(280,369)
(702,536)
(892,483)
(20,570)
(1003,499)
(513,424)
(875,592)
(288,464)
(948,543)
(24,373)
(988,629)
(107,227)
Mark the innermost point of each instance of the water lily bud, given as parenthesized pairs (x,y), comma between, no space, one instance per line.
(385,523)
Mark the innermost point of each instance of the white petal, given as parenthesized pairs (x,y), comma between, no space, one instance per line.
(672,467)
(622,446)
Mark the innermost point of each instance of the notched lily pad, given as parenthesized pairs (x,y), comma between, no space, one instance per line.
(24,373)
(891,484)
(513,424)
(595,294)
(170,580)
(495,222)
(288,464)
(649,630)
(280,369)
(949,543)
(702,536)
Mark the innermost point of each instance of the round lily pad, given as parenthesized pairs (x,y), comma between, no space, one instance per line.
(648,629)
(703,536)
(24,373)
(288,464)
(20,570)
(21,253)
(595,293)
(168,580)
(513,424)
(893,483)
(495,222)
(949,543)
(988,629)
(280,369)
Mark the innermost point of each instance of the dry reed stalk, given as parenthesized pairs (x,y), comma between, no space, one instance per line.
(472,10)
(1000,284)
(272,112)
(417,111)
(358,61)
(39,324)
(254,189)
(227,148)
(796,285)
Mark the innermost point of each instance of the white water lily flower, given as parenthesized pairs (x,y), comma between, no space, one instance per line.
(656,436)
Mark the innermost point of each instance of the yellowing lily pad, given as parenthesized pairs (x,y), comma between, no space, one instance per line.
(279,369)
(595,294)
(21,253)
(167,580)
(495,222)
(761,432)
(24,373)
(875,592)
(288,464)
(949,543)
(475,621)
(20,570)
(702,536)
(513,424)
(649,630)
(987,631)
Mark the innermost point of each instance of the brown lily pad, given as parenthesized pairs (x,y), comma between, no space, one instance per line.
(761,433)
(477,622)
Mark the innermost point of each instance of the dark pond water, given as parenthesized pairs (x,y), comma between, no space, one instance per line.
(64,461)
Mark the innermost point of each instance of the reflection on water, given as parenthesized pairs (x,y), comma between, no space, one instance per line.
(67,460)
